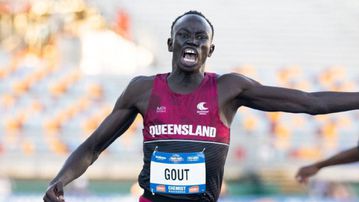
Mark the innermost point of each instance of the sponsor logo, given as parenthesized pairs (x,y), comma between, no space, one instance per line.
(161,109)
(193,189)
(160,157)
(202,109)
(175,158)
(160,188)
(176,189)
(192,158)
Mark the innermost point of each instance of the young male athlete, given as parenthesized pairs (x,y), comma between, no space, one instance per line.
(187,114)
(348,156)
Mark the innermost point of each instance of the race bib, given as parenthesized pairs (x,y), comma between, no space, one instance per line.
(178,173)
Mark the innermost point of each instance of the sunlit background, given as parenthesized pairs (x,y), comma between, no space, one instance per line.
(64,63)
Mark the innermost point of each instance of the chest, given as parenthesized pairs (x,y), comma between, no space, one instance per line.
(183,109)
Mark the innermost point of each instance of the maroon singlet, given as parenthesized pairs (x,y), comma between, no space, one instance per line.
(186,123)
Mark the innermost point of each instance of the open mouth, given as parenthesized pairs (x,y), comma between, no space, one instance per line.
(189,57)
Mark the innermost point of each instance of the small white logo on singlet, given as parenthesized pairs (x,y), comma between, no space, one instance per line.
(202,109)
(161,109)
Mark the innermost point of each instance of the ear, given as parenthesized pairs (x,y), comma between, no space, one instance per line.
(170,44)
(211,49)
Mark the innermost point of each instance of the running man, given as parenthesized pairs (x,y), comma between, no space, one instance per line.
(187,114)
(348,156)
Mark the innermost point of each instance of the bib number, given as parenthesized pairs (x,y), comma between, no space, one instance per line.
(178,173)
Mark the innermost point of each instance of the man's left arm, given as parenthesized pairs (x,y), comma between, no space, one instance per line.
(269,98)
(248,92)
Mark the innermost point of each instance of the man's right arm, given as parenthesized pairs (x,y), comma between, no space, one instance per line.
(113,126)
(347,156)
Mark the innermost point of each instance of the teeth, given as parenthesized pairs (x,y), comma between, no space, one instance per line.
(189,59)
(189,51)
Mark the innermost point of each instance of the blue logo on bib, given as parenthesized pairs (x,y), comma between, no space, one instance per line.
(178,173)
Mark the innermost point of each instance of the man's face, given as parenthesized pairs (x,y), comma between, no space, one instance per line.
(191,43)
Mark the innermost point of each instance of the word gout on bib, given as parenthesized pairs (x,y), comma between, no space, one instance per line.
(178,173)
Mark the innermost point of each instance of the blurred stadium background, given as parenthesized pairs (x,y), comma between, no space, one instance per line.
(64,63)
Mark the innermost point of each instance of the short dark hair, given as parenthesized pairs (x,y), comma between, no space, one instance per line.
(192,12)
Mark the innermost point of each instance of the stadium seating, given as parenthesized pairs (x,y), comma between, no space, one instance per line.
(49,106)
(55,109)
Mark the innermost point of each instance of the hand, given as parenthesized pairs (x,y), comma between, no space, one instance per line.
(305,172)
(55,193)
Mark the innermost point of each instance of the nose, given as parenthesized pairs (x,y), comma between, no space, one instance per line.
(192,41)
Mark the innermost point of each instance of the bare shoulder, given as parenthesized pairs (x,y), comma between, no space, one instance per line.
(140,80)
(136,93)
(230,88)
(236,80)
(139,85)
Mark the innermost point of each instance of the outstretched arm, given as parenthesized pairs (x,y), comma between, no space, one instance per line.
(114,125)
(111,128)
(253,94)
(347,156)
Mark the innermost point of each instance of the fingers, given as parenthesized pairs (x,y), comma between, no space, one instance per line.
(302,175)
(59,189)
(305,173)
(301,179)
(55,193)
(49,197)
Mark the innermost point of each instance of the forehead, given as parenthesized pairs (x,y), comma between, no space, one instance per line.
(192,22)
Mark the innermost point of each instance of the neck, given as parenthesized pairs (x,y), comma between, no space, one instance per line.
(175,68)
(184,82)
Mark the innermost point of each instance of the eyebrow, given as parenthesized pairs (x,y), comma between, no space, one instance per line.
(186,30)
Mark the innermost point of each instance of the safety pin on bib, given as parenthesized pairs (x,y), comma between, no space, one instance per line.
(154,151)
